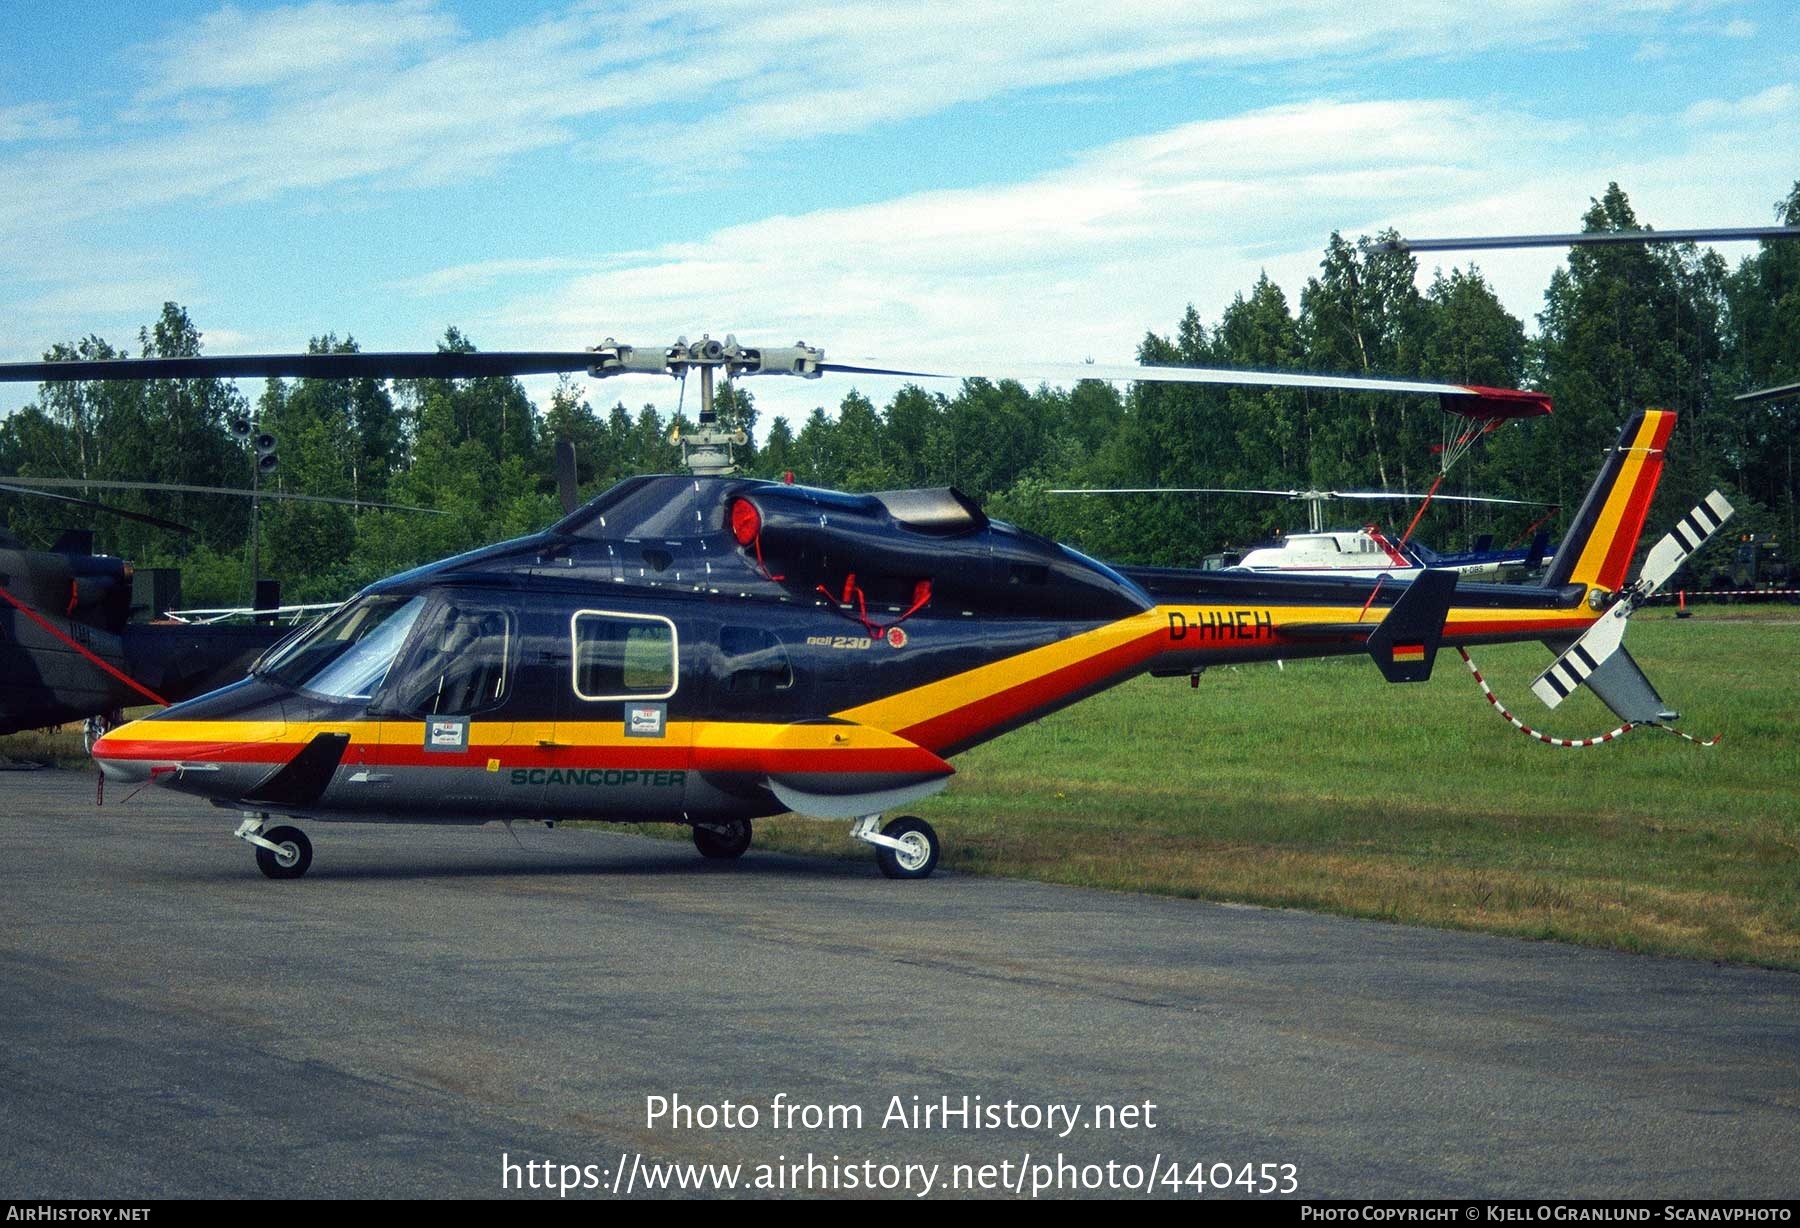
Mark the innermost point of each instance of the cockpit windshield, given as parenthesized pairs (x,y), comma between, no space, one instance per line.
(348,653)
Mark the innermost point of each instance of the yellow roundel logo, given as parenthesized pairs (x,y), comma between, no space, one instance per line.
(896,637)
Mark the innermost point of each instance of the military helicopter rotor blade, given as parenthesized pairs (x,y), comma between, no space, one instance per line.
(12,488)
(183,488)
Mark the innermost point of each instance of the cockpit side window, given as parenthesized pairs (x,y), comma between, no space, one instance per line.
(462,662)
(347,654)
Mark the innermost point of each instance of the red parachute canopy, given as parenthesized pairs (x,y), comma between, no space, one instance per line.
(1485,409)
(1494,404)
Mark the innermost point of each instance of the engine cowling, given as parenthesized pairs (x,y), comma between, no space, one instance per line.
(892,542)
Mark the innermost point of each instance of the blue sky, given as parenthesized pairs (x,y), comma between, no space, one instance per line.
(924,183)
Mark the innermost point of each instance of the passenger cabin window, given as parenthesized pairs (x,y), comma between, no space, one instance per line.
(755,662)
(462,662)
(623,656)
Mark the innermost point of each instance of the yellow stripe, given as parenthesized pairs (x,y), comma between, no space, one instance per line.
(1606,526)
(958,691)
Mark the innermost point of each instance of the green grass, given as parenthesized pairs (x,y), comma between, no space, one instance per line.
(1319,786)
(48,747)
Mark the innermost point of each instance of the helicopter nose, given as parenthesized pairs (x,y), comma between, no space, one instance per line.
(124,757)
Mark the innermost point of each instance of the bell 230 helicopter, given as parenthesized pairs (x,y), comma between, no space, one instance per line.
(711,649)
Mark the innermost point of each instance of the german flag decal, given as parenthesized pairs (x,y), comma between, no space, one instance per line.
(1409,652)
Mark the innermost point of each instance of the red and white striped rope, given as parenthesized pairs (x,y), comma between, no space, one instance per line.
(1572,743)
(1702,594)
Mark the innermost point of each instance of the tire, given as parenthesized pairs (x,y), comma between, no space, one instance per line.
(296,853)
(726,845)
(921,856)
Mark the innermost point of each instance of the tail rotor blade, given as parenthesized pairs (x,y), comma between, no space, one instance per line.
(1590,658)
(1583,657)
(1694,531)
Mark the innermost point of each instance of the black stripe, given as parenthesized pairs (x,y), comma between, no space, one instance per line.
(1586,659)
(1688,542)
(1556,684)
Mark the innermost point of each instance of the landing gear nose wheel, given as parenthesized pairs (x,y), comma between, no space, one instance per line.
(722,841)
(914,853)
(289,858)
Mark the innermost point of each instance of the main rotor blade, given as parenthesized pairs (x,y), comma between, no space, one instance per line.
(1592,238)
(1461,398)
(95,504)
(1455,397)
(1172,490)
(1288,494)
(1769,394)
(245,492)
(1383,494)
(397,365)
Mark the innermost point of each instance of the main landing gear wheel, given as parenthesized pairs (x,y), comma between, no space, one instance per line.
(293,857)
(723,841)
(917,855)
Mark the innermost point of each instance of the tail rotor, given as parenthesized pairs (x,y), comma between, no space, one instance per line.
(1598,659)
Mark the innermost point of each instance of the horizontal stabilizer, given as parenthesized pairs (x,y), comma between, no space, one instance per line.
(1621,686)
(1405,645)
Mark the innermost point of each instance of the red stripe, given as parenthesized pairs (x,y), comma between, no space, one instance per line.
(1631,521)
(210,752)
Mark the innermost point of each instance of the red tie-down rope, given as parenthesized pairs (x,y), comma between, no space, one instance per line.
(120,674)
(1571,743)
(853,591)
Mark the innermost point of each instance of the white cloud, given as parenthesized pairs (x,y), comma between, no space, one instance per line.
(36,121)
(1079,263)
(332,105)
(235,50)
(1063,266)
(1777,102)
(252,106)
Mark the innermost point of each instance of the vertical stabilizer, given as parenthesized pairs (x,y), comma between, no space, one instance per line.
(1597,549)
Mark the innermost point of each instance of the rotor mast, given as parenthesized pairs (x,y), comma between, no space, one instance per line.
(706,450)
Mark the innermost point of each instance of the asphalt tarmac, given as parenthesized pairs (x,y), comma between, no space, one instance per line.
(430,1004)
